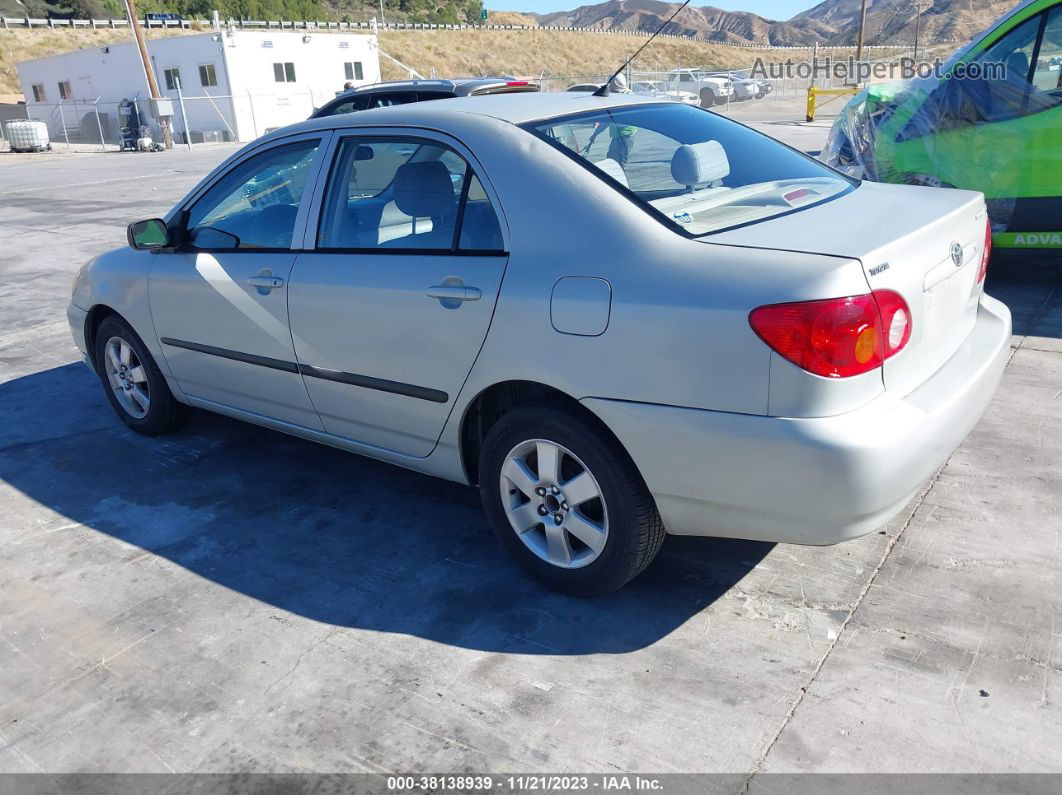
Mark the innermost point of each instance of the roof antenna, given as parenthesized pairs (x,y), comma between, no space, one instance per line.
(604,90)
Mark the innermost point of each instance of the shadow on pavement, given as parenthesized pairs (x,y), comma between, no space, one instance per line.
(1031,285)
(328,535)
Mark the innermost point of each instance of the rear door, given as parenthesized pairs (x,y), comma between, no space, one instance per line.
(392,298)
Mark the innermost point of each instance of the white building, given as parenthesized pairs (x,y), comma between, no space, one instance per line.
(236,84)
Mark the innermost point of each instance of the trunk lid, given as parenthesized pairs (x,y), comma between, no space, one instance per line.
(903,236)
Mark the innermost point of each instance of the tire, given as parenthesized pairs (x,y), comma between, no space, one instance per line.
(619,506)
(127,372)
(708,98)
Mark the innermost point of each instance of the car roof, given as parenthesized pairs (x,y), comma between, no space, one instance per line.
(512,108)
(426,85)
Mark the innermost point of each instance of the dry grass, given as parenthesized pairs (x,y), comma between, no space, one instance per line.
(550,52)
(450,53)
(512,18)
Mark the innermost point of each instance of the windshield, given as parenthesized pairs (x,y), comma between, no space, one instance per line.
(694,169)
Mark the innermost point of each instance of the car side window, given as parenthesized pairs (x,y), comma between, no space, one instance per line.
(254,206)
(393,98)
(1047,73)
(1012,95)
(405,194)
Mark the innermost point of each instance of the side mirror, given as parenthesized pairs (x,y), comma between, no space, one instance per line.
(148,235)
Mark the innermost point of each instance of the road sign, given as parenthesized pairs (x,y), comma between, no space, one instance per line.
(483,14)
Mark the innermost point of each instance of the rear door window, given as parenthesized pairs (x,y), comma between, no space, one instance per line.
(397,193)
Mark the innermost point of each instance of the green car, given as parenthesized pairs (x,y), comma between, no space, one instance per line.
(989,120)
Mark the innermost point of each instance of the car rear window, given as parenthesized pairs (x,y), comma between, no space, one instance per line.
(693,169)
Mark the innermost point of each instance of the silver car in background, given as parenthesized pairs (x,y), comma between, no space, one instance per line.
(618,317)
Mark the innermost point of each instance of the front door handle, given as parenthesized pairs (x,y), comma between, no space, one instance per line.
(449,292)
(266,282)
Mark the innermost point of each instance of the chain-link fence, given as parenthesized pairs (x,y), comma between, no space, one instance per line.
(92,125)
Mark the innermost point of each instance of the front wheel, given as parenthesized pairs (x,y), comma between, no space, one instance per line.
(566,500)
(708,98)
(135,386)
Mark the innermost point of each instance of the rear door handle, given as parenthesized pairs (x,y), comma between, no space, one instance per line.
(266,282)
(446,292)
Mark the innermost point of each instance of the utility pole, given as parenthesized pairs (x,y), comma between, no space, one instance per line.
(383,19)
(918,25)
(862,27)
(149,73)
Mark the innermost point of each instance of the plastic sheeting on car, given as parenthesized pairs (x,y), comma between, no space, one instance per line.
(997,131)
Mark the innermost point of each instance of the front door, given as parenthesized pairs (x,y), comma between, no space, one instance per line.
(220,301)
(391,306)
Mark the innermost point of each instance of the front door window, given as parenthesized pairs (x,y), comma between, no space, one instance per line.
(255,205)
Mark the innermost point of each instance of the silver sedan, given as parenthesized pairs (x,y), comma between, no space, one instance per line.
(618,317)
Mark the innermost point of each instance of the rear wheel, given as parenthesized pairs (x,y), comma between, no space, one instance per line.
(567,501)
(135,386)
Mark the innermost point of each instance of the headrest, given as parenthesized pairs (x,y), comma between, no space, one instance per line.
(699,164)
(1018,67)
(424,190)
(614,170)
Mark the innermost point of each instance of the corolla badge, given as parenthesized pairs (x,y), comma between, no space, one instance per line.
(956,254)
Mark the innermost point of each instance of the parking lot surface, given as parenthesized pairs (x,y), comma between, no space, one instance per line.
(232,599)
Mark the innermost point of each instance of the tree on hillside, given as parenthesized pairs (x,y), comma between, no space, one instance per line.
(88,9)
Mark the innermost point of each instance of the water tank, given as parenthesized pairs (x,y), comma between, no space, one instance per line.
(27,135)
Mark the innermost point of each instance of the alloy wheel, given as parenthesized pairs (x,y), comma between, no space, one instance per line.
(127,377)
(554,503)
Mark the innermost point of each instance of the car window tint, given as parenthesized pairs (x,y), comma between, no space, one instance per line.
(394,98)
(255,204)
(480,230)
(342,107)
(1048,73)
(1011,95)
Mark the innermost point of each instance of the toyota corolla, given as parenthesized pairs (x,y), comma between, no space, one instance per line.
(618,317)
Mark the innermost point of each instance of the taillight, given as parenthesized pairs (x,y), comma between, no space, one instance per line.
(512,83)
(986,254)
(836,337)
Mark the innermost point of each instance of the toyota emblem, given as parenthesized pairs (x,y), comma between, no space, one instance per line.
(956,254)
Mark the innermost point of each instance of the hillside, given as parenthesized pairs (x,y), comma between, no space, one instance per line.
(449,52)
(894,20)
(438,11)
(832,21)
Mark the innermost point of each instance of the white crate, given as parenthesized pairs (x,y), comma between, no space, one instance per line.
(26,135)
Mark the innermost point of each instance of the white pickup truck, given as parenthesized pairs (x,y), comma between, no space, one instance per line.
(712,89)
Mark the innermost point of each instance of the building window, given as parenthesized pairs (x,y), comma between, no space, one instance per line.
(353,71)
(38,93)
(207,76)
(172,78)
(284,72)
(65,92)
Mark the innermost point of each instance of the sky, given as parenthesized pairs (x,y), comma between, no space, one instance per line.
(772,9)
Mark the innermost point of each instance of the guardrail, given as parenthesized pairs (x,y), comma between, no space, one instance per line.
(311,24)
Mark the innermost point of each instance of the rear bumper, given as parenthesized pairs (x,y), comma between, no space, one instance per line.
(810,481)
